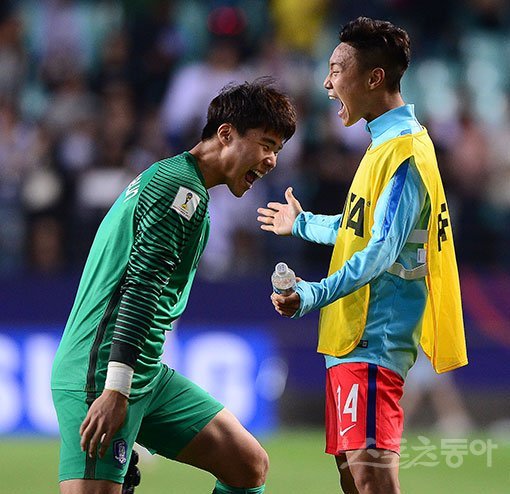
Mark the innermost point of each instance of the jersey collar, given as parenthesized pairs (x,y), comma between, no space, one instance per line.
(396,118)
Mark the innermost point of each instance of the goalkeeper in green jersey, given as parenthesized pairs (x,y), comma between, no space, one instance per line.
(109,386)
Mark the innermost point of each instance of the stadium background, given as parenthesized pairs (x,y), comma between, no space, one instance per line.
(92,92)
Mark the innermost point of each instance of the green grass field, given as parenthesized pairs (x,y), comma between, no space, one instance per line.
(298,466)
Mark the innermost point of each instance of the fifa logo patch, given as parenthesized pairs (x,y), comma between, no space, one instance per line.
(185,202)
(120,452)
(189,196)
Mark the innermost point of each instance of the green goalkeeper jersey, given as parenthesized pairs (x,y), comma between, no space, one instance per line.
(137,278)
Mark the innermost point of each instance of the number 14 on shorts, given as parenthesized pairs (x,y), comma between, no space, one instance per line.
(347,406)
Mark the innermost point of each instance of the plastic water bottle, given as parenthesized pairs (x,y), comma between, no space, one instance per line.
(283,279)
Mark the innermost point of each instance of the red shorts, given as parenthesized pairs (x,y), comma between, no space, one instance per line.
(362,408)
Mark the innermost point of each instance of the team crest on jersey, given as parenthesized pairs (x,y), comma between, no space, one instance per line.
(120,452)
(185,202)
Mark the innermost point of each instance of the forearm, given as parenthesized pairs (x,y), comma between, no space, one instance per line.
(395,216)
(149,270)
(137,309)
(318,228)
(361,269)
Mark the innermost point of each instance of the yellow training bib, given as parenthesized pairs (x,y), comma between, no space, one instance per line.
(342,322)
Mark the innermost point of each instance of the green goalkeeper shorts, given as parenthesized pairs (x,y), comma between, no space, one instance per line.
(163,420)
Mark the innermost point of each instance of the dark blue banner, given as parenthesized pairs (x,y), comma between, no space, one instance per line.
(236,364)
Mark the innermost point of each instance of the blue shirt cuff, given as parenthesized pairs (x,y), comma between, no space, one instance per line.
(299,224)
(305,293)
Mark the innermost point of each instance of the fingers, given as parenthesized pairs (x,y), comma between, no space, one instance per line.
(93,439)
(283,306)
(292,201)
(101,441)
(102,421)
(84,425)
(105,442)
(94,442)
(266,211)
(267,228)
(289,195)
(275,206)
(276,303)
(92,436)
(268,220)
(85,433)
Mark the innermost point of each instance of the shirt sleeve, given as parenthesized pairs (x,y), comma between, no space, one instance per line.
(318,228)
(161,237)
(396,214)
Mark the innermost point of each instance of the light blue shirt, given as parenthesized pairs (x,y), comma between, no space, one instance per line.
(396,306)
(393,123)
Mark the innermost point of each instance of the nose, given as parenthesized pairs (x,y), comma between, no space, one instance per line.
(270,161)
(327,83)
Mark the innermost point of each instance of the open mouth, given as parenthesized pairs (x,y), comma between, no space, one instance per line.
(341,103)
(252,175)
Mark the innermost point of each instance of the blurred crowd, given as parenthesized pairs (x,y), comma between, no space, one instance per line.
(93,92)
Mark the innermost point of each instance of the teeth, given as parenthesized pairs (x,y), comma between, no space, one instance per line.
(259,175)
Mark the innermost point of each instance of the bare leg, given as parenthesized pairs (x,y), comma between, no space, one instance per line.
(224,448)
(452,416)
(346,479)
(81,486)
(228,451)
(375,471)
(412,398)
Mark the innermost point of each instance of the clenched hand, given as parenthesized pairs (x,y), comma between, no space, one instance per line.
(286,305)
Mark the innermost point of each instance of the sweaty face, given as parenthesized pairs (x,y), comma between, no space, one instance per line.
(346,82)
(250,157)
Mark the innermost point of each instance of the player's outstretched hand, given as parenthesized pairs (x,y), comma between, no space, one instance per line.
(279,218)
(104,418)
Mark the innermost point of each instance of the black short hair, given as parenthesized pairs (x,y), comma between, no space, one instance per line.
(381,44)
(252,105)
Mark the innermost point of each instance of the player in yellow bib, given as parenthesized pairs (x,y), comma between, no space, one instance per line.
(393,280)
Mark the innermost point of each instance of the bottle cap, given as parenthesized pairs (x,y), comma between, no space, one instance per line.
(281,268)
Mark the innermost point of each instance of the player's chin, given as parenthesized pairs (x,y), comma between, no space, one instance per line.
(240,189)
(348,119)
(239,193)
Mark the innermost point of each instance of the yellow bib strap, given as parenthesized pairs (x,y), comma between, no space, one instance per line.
(408,274)
(418,237)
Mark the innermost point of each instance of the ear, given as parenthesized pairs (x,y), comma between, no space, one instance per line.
(224,133)
(376,78)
